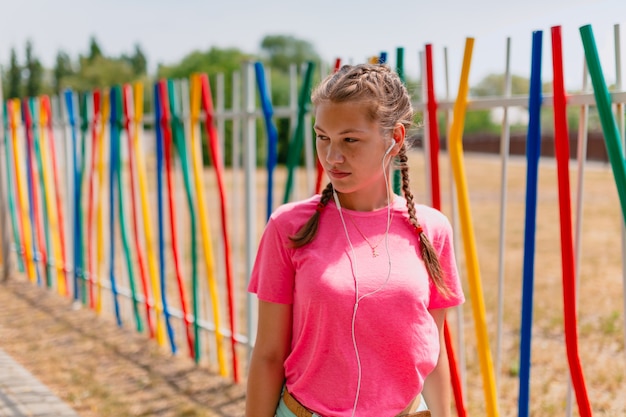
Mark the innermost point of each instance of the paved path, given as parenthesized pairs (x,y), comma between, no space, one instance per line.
(21,394)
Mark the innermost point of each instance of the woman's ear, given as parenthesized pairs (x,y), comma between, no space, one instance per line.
(399,133)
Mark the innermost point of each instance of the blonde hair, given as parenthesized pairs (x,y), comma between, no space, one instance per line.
(387,103)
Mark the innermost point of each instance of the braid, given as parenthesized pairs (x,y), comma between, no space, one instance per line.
(431,261)
(309,230)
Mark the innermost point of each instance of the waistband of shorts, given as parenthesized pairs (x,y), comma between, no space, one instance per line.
(301,411)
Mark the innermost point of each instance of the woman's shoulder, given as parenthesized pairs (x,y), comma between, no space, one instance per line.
(294,214)
(434,222)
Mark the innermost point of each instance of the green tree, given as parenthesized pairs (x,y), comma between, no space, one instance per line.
(280,51)
(14,77)
(100,72)
(137,61)
(94,49)
(34,72)
(62,69)
(493,85)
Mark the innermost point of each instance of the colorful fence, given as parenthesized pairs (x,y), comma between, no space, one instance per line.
(148,192)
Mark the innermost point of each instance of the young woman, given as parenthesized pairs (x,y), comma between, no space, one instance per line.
(354,284)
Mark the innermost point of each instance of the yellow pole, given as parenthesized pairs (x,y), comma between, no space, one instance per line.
(471,258)
(196,158)
(147,221)
(50,206)
(104,116)
(19,185)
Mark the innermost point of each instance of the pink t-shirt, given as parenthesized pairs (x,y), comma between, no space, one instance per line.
(396,337)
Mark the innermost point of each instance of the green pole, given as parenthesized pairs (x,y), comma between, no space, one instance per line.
(10,194)
(607,119)
(178,132)
(35,121)
(122,216)
(400,70)
(297,140)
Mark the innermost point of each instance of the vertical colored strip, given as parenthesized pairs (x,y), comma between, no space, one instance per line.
(69,103)
(296,142)
(128,105)
(207,105)
(34,126)
(397,181)
(433,132)
(83,99)
(63,284)
(196,158)
(147,220)
(272,133)
(433,129)
(561,143)
(38,244)
(612,136)
(10,193)
(159,160)
(49,188)
(22,201)
(178,133)
(117,118)
(469,244)
(104,121)
(167,154)
(91,258)
(533,150)
(113,173)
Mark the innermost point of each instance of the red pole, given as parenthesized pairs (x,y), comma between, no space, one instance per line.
(561,143)
(216,157)
(433,141)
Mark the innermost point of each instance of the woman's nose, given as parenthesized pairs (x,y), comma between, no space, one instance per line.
(333,154)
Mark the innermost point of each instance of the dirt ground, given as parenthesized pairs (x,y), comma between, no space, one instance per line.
(100,369)
(103,370)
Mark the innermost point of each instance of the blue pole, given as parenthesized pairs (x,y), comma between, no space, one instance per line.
(159,156)
(113,172)
(533,150)
(272,133)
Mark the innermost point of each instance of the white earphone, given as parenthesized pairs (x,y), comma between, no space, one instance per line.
(393,143)
(359,297)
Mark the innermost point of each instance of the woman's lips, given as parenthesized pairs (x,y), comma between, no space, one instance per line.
(337,174)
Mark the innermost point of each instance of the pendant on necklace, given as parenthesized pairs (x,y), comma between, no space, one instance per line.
(374,253)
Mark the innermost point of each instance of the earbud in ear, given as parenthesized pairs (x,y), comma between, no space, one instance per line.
(393,143)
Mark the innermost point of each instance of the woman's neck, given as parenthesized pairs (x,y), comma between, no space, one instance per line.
(356,202)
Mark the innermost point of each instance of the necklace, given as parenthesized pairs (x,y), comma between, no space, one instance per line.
(372,247)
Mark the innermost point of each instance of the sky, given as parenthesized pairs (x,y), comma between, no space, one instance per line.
(350,30)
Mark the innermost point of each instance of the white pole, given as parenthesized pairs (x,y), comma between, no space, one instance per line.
(504,155)
(621,125)
(236,170)
(250,190)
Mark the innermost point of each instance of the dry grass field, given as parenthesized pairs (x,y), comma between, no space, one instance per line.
(103,370)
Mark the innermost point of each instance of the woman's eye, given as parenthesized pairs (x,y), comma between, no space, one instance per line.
(350,140)
(321,137)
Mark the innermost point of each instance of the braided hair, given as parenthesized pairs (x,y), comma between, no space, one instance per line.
(388,103)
